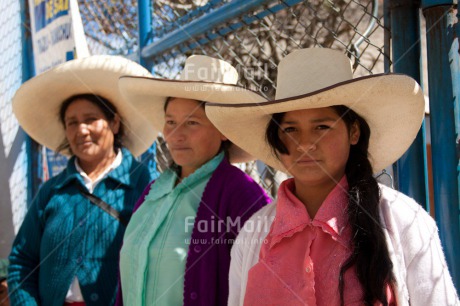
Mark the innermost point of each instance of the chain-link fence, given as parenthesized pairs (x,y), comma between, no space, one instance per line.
(110,26)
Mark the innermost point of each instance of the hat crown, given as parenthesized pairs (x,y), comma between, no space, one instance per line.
(308,70)
(203,68)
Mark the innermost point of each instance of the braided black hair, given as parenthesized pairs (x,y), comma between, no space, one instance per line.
(370,257)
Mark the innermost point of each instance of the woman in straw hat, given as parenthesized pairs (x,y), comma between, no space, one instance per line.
(66,252)
(339,238)
(176,249)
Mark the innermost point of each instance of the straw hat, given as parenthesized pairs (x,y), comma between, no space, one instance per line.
(391,104)
(37,102)
(203,79)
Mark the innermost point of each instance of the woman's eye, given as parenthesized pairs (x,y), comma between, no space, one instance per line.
(192,122)
(323,127)
(71,123)
(90,120)
(170,122)
(289,129)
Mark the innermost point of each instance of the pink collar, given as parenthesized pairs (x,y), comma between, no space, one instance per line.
(292,216)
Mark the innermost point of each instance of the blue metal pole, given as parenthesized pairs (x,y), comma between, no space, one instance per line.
(144,9)
(201,25)
(32,147)
(444,85)
(145,37)
(411,170)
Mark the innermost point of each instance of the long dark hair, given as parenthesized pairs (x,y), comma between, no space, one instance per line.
(370,257)
(108,109)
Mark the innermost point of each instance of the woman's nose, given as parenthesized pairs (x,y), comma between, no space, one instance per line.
(306,145)
(83,129)
(178,134)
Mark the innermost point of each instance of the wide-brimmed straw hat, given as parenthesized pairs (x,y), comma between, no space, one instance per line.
(37,102)
(203,79)
(392,105)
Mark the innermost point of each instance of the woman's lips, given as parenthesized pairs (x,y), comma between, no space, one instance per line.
(306,161)
(179,148)
(83,143)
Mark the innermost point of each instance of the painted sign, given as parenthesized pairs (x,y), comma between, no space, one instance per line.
(57,33)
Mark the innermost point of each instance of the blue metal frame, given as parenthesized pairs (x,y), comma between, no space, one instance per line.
(237,25)
(444,85)
(28,71)
(211,20)
(411,171)
(145,38)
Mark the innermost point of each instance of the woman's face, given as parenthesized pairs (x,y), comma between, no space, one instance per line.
(318,141)
(192,139)
(88,132)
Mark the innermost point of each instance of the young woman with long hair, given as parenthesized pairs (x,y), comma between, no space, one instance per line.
(334,236)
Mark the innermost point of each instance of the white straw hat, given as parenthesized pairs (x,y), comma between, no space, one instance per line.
(203,79)
(392,105)
(37,102)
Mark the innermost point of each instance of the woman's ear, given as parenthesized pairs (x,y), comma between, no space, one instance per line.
(355,133)
(115,124)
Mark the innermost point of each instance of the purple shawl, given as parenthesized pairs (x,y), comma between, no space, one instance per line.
(229,196)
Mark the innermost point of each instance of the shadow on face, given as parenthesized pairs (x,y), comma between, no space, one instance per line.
(93,129)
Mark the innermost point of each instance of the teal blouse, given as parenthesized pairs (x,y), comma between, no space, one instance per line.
(156,241)
(65,236)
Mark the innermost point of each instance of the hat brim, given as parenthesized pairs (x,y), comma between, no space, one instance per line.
(392,105)
(37,102)
(149,96)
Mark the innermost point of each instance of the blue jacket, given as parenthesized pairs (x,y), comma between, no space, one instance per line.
(63,235)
